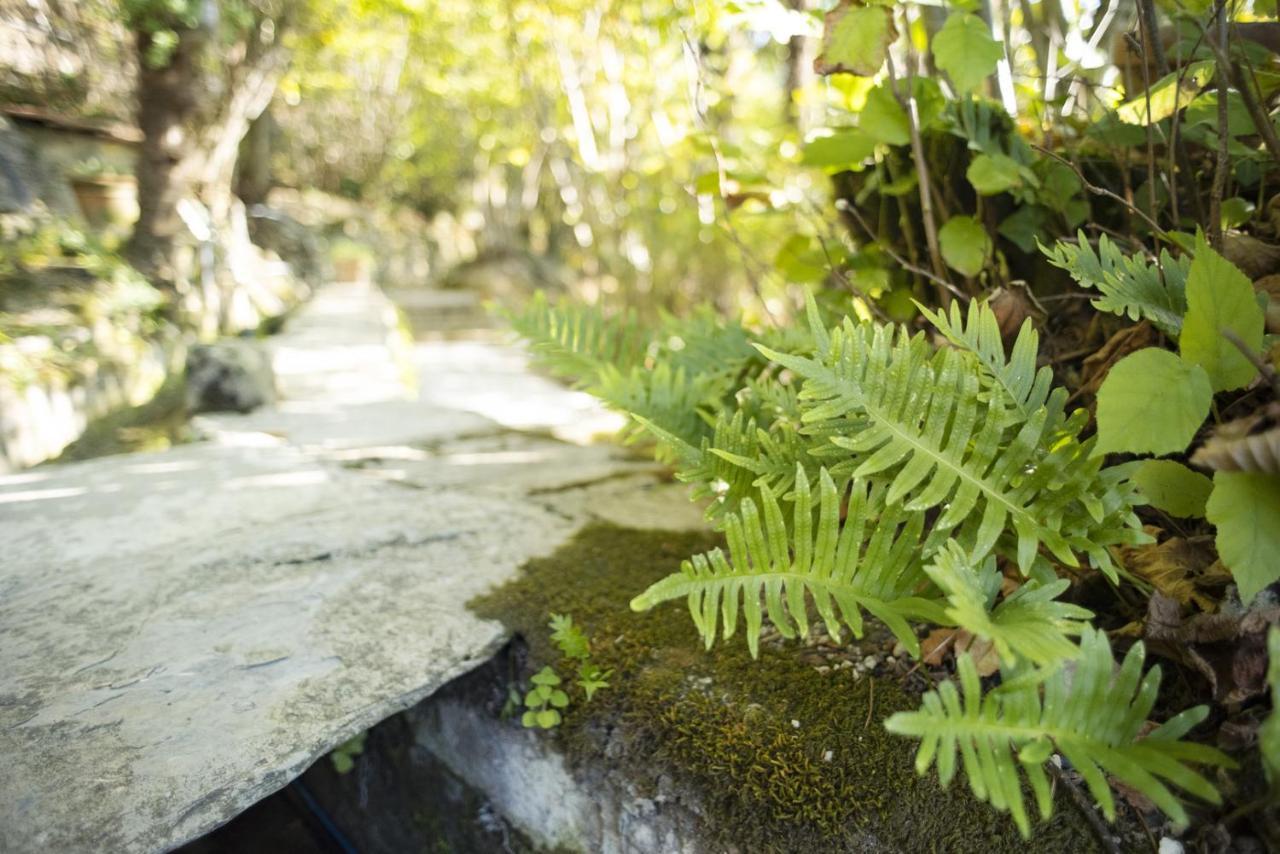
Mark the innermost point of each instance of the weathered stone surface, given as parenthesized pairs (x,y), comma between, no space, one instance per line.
(230,375)
(184,632)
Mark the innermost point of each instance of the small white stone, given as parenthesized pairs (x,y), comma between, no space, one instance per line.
(795,724)
(869,662)
(1170,846)
(828,756)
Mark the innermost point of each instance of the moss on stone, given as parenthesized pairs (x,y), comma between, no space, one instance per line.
(782,757)
(156,425)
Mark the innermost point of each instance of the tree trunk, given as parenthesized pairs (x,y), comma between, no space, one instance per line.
(194,111)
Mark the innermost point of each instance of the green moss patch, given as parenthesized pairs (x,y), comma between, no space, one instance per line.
(781,757)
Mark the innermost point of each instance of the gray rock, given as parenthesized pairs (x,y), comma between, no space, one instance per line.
(233,375)
(296,244)
(185,632)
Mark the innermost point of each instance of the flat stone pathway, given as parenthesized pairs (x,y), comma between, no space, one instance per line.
(182,633)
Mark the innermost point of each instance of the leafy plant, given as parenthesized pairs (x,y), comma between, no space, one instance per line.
(574,644)
(1090,714)
(544,700)
(1220,337)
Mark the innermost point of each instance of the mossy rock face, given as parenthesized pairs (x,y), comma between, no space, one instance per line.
(779,756)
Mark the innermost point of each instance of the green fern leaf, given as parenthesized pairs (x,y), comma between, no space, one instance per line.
(1024,387)
(1028,625)
(897,412)
(870,562)
(577,341)
(1091,714)
(1131,286)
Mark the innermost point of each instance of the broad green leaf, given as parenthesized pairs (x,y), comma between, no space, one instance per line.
(1220,298)
(1168,94)
(1172,487)
(883,119)
(965,245)
(844,148)
(965,50)
(1151,402)
(993,173)
(1245,507)
(856,40)
(1024,227)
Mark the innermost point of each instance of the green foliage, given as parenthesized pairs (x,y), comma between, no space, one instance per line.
(544,700)
(1152,402)
(858,39)
(1269,732)
(344,755)
(965,50)
(965,245)
(573,644)
(1028,625)
(1173,488)
(1245,507)
(1131,285)
(1091,714)
(1220,300)
(867,562)
(1167,95)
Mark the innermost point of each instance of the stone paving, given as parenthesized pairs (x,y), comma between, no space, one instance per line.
(182,633)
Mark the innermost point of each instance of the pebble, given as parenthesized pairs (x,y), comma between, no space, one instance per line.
(1170,846)
(869,662)
(828,756)
(795,724)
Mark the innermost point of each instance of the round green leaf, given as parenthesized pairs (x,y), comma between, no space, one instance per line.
(993,173)
(965,50)
(1245,507)
(529,719)
(845,148)
(1220,298)
(1151,402)
(548,718)
(965,245)
(559,699)
(545,676)
(1173,488)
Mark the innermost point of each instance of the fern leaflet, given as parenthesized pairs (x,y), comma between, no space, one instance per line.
(1028,625)
(869,562)
(1131,286)
(1088,714)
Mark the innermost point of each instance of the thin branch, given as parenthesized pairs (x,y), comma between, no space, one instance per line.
(1223,167)
(943,284)
(1103,191)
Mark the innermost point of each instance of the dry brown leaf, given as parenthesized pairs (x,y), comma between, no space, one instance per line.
(855,39)
(1251,444)
(1178,568)
(939,642)
(1012,306)
(1128,340)
(1227,648)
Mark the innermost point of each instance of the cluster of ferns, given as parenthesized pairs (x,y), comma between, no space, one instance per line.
(858,469)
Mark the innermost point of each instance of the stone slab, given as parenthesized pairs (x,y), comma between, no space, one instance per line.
(184,632)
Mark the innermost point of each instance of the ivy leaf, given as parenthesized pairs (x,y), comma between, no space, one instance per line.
(883,118)
(965,245)
(993,173)
(856,40)
(965,50)
(1151,402)
(1173,488)
(1245,507)
(1168,94)
(1220,298)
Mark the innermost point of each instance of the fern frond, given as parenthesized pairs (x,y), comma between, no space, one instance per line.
(1091,714)
(869,562)
(895,411)
(665,398)
(1130,285)
(1028,625)
(576,341)
(1024,387)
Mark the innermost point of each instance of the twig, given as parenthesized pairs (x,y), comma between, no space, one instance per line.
(852,210)
(871,700)
(1224,163)
(1261,120)
(1268,373)
(1086,809)
(1103,191)
(908,103)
